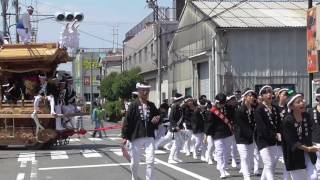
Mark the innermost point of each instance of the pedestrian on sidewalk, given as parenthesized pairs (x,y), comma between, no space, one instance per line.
(95,120)
(141,120)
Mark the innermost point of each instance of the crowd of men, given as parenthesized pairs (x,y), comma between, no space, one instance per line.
(56,92)
(259,126)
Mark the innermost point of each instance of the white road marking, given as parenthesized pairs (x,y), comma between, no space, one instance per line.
(59,155)
(90,153)
(86,166)
(20,176)
(23,164)
(184,171)
(34,170)
(74,140)
(95,139)
(118,152)
(29,156)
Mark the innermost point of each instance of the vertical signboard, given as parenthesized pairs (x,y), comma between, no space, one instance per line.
(312,54)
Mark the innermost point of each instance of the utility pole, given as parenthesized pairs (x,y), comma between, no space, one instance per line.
(310,74)
(16,5)
(153,5)
(91,83)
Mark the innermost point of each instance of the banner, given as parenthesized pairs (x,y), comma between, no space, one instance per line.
(312,53)
(86,80)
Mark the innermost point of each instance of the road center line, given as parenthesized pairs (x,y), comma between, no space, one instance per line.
(34,170)
(184,171)
(86,166)
(20,176)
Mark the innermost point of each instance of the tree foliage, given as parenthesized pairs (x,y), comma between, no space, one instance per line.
(106,86)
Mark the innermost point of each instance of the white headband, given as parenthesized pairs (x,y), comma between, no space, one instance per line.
(264,87)
(317,95)
(42,77)
(292,99)
(247,92)
(135,93)
(198,102)
(177,98)
(283,89)
(230,97)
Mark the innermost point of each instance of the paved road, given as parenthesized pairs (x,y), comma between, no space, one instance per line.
(96,159)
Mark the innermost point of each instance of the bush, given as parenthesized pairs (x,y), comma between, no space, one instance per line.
(113,109)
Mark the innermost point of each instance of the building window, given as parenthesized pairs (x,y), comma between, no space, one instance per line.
(187,91)
(145,53)
(140,57)
(151,50)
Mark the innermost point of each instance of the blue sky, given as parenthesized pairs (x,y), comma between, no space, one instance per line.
(100,18)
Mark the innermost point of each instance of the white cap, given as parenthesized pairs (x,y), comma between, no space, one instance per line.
(264,87)
(142,86)
(30,8)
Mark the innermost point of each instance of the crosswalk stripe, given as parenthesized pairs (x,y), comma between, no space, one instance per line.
(59,155)
(20,176)
(95,139)
(115,138)
(90,153)
(117,152)
(28,156)
(74,140)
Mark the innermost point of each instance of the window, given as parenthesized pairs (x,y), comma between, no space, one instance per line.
(140,57)
(151,50)
(187,91)
(146,54)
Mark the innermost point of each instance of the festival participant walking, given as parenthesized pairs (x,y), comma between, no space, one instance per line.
(138,128)
(244,132)
(299,153)
(268,132)
(219,129)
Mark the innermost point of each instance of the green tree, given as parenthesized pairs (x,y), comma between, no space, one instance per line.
(125,83)
(106,87)
(117,87)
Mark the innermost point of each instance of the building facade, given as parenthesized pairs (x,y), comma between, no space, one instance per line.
(87,70)
(146,46)
(235,45)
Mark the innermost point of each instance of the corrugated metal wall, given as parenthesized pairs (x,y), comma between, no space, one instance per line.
(269,56)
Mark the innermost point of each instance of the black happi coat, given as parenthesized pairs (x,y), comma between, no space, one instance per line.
(187,113)
(70,96)
(215,127)
(267,126)
(245,125)
(315,118)
(134,126)
(294,157)
(176,117)
(198,119)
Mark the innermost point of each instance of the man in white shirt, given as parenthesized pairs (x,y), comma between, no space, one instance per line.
(24,26)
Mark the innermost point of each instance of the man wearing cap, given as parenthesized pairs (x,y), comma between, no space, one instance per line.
(24,26)
(176,125)
(138,128)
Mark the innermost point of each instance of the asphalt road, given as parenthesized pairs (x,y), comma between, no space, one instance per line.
(96,159)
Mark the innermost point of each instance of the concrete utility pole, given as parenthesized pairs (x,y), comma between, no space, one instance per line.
(153,5)
(310,74)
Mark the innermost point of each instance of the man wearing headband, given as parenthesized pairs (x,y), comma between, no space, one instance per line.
(268,132)
(188,109)
(176,125)
(138,128)
(45,90)
(231,107)
(70,103)
(198,118)
(219,130)
(298,150)
(244,132)
(24,26)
